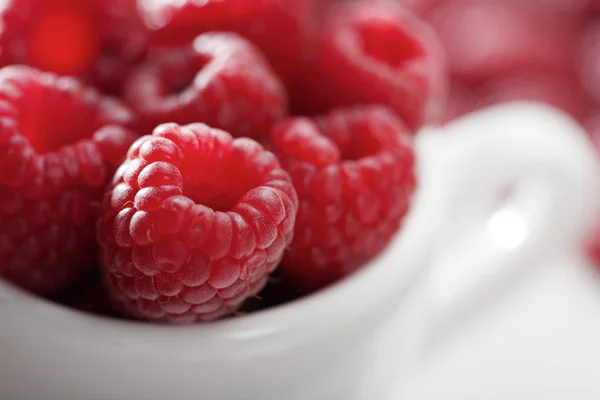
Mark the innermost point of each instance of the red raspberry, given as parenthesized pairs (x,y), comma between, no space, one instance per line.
(353,170)
(220,79)
(282,29)
(374,52)
(59,143)
(97,40)
(193,224)
(488,39)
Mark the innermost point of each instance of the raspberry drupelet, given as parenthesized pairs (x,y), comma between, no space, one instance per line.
(353,170)
(376,52)
(193,224)
(95,40)
(60,142)
(220,79)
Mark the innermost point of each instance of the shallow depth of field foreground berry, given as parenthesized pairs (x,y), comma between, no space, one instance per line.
(193,223)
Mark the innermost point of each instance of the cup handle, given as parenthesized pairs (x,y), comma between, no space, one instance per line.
(516,182)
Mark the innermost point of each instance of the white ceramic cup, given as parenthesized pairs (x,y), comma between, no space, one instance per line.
(459,241)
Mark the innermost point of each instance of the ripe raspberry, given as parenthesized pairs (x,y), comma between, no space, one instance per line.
(282,29)
(375,52)
(193,224)
(220,79)
(353,170)
(59,143)
(96,40)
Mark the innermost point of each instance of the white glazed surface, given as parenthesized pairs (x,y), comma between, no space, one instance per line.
(539,342)
(323,346)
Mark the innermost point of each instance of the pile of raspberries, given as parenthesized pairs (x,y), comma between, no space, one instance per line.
(175,158)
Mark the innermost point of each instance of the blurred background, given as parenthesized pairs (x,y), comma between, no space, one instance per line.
(500,50)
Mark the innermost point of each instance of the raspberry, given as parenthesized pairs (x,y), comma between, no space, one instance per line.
(282,29)
(372,52)
(353,170)
(59,143)
(220,79)
(489,39)
(193,224)
(96,40)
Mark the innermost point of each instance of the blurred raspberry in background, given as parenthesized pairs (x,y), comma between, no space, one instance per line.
(95,40)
